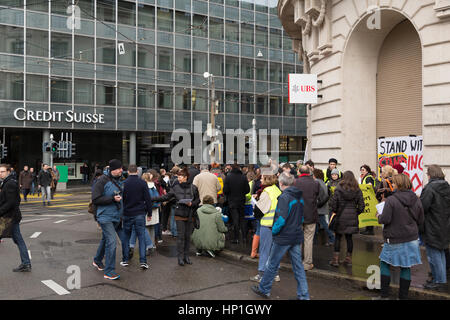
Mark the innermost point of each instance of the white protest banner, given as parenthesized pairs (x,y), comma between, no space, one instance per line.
(407,150)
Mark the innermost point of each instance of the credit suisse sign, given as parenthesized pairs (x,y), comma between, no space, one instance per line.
(69,116)
(302,88)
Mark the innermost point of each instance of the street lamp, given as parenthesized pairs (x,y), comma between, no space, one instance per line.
(208,75)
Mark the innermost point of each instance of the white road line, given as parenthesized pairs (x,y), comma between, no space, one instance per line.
(32,220)
(59,221)
(35,235)
(29,254)
(55,287)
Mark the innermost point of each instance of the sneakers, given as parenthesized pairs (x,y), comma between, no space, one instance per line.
(160,241)
(124,263)
(211,253)
(167,233)
(256,278)
(23,268)
(144,266)
(259,293)
(308,266)
(99,266)
(111,276)
(277,278)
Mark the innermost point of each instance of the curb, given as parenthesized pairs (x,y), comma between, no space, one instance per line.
(359,282)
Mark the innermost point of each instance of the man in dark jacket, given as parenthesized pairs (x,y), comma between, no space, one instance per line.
(310,188)
(45,181)
(235,187)
(287,235)
(136,204)
(193,171)
(9,209)
(25,180)
(435,199)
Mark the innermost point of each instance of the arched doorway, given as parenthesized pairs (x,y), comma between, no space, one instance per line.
(382,75)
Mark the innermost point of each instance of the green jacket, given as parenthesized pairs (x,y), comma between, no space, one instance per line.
(211,235)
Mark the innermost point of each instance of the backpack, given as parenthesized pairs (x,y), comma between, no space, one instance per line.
(154,194)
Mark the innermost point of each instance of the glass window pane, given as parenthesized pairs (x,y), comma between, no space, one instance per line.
(273,4)
(233,3)
(126,13)
(37,5)
(106,94)
(182,99)
(37,88)
(261,5)
(87,9)
(247,4)
(232,102)
(199,100)
(232,31)
(146,16)
(261,104)
(199,6)
(247,33)
(247,68)
(146,56)
(58,7)
(247,103)
(106,10)
(216,28)
(61,46)
(217,1)
(232,67)
(287,43)
(200,26)
(261,70)
(288,108)
(275,39)
(37,43)
(129,57)
(61,91)
(287,68)
(84,49)
(216,64)
(11,86)
(183,22)
(165,58)
(106,51)
(275,72)
(146,96)
(84,91)
(261,35)
(165,19)
(165,97)
(199,62)
(126,95)
(183,60)
(11,39)
(275,105)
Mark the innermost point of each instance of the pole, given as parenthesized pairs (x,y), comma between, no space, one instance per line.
(254,142)
(213,119)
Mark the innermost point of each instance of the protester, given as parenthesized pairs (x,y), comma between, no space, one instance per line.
(322,205)
(85,173)
(55,178)
(367,178)
(332,165)
(402,217)
(435,199)
(310,165)
(347,202)
(310,190)
(194,170)
(9,210)
(34,183)
(44,182)
(187,201)
(287,236)
(107,196)
(255,224)
(265,210)
(136,205)
(210,237)
(25,180)
(335,179)
(153,219)
(385,188)
(235,188)
(207,183)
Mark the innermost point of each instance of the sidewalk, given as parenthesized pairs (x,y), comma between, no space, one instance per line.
(366,251)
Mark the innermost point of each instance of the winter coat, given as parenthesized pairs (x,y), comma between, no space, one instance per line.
(103,194)
(10,199)
(44,178)
(399,226)
(235,188)
(310,189)
(333,183)
(193,172)
(347,204)
(25,179)
(323,195)
(383,189)
(178,192)
(435,199)
(207,184)
(136,199)
(211,235)
(287,227)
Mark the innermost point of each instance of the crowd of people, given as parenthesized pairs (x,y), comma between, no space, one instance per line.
(43,182)
(275,208)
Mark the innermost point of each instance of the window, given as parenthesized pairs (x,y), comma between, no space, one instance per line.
(182,22)
(261,5)
(37,88)
(129,57)
(200,26)
(247,68)
(261,36)
(146,16)
(275,105)
(165,57)
(275,72)
(146,56)
(199,62)
(106,51)
(61,46)
(61,91)
(11,39)
(233,3)
(261,70)
(165,20)
(106,94)
(288,108)
(165,98)
(37,5)
(261,104)
(183,60)
(126,95)
(84,91)
(216,28)
(232,102)
(287,69)
(247,33)
(232,67)
(246,103)
(37,43)
(146,96)
(182,99)
(84,49)
(126,12)
(287,44)
(106,10)
(247,4)
(216,64)
(12,86)
(199,100)
(275,38)
(87,8)
(232,31)
(58,7)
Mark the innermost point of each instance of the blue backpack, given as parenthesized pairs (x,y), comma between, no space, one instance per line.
(154,194)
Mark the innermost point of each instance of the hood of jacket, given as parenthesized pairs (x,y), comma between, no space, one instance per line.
(208,209)
(236,171)
(294,192)
(406,198)
(442,188)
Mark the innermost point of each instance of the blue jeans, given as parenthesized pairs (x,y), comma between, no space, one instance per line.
(18,240)
(323,223)
(107,246)
(173,225)
(265,243)
(138,224)
(32,189)
(148,240)
(436,260)
(276,254)
(46,193)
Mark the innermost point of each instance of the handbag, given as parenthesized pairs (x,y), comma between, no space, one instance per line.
(332,225)
(6,225)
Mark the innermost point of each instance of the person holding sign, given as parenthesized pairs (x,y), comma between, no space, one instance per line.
(367,178)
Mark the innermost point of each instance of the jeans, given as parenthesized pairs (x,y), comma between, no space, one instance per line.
(265,243)
(85,178)
(436,260)
(184,238)
(323,223)
(107,246)
(18,240)
(32,188)
(25,193)
(138,222)
(173,225)
(238,221)
(46,192)
(276,254)
(133,237)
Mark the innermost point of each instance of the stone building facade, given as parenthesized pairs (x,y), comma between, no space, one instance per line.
(385,71)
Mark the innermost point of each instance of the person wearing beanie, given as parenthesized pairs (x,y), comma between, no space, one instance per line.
(335,178)
(332,164)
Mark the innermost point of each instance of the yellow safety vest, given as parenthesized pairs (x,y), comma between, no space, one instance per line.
(221,185)
(248,196)
(325,178)
(365,178)
(274,193)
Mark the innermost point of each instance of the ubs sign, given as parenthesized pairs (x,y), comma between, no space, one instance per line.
(69,116)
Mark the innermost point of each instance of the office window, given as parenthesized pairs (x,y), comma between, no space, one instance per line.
(247,4)
(106,93)
(275,72)
(126,13)
(106,51)
(247,68)
(183,22)
(199,100)
(12,86)
(287,69)
(106,10)
(87,9)
(275,105)
(247,103)
(261,70)
(165,97)
(200,26)
(129,57)
(146,16)
(247,33)
(261,105)
(232,3)
(232,102)
(165,20)
(11,39)
(261,5)
(146,56)
(165,58)
(275,39)
(37,43)
(199,62)
(216,64)
(261,36)
(37,88)
(37,5)
(183,60)
(58,7)
(182,99)
(146,96)
(61,91)
(288,108)
(216,28)
(287,44)
(126,95)
(232,31)
(84,49)
(84,91)
(232,67)
(61,46)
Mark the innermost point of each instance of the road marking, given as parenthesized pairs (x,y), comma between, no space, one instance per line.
(29,254)
(50,215)
(71,205)
(59,221)
(55,287)
(35,235)
(32,220)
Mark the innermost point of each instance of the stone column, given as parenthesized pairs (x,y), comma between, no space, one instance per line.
(132,149)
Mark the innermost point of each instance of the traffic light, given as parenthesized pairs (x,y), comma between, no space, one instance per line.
(46,147)
(55,148)
(4,151)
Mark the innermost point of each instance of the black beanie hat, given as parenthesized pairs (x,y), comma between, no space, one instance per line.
(114,164)
(333,160)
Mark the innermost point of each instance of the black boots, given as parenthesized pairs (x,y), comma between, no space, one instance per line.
(403,289)
(385,288)
(180,261)
(186,260)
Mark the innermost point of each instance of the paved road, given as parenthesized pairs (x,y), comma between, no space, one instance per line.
(69,237)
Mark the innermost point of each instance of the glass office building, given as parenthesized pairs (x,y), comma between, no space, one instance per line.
(140,64)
